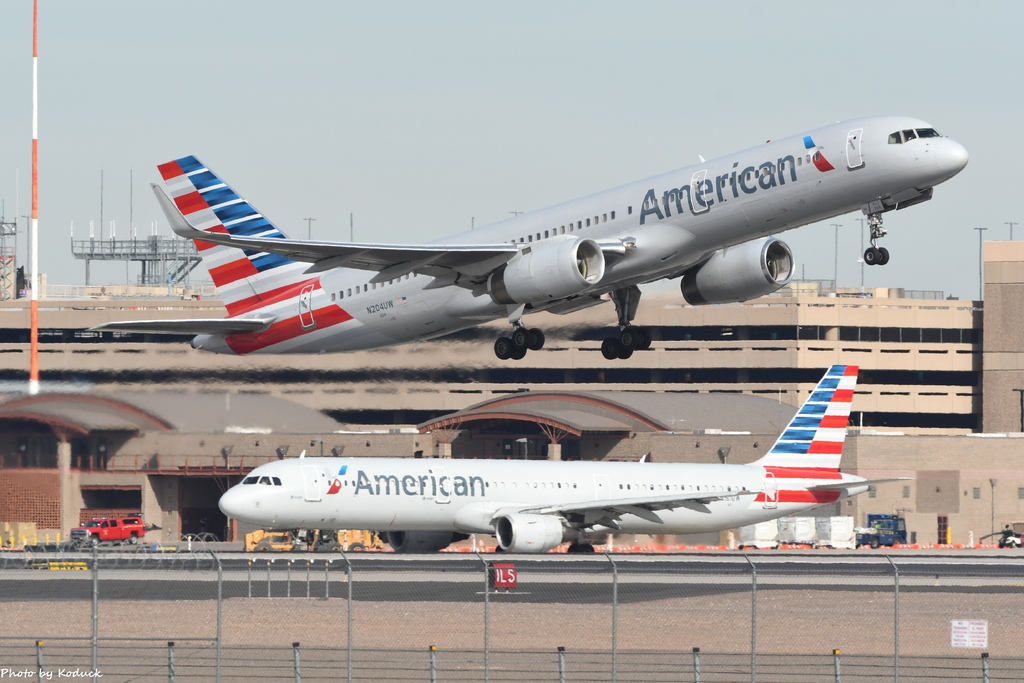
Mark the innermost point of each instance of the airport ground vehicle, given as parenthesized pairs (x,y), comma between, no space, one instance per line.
(312,539)
(887,530)
(109,529)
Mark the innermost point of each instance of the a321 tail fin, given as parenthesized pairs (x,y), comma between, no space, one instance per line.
(814,437)
(243,278)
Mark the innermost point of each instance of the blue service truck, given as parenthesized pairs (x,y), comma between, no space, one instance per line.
(887,530)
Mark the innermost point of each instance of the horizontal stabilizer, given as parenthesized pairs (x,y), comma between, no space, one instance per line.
(222,326)
(841,485)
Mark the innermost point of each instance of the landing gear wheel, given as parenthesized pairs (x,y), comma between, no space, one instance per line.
(610,348)
(574,548)
(884,256)
(625,353)
(643,339)
(872,256)
(520,338)
(535,340)
(519,353)
(628,339)
(503,348)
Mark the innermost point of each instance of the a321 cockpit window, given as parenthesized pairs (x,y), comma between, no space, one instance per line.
(901,136)
(265,481)
(277,481)
(250,480)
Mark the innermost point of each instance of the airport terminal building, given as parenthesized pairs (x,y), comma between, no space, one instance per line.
(137,422)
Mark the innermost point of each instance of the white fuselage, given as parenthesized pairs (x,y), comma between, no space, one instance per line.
(676,220)
(466,496)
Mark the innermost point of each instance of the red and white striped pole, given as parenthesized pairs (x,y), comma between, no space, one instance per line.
(33,375)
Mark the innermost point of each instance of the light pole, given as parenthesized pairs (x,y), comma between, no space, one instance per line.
(1011,224)
(981,263)
(835,265)
(861,259)
(309,227)
(992,483)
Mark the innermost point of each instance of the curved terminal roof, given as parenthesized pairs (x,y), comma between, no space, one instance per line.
(136,412)
(595,412)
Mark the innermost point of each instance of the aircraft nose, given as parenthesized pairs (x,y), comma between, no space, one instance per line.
(232,503)
(952,157)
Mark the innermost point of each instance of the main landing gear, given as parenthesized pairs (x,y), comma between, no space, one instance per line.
(875,255)
(630,338)
(518,343)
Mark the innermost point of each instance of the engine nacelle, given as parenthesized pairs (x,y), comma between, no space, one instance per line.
(551,270)
(739,273)
(525,533)
(420,541)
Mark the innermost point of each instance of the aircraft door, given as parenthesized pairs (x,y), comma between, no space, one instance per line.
(306,307)
(600,487)
(771,491)
(854,159)
(444,485)
(312,482)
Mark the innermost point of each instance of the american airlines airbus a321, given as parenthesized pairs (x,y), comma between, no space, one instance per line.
(711,224)
(534,506)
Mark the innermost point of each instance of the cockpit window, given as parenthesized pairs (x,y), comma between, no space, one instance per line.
(277,481)
(265,481)
(250,480)
(901,136)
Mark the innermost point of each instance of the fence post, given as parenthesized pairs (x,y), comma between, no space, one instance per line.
(984,668)
(895,620)
(308,562)
(298,670)
(270,561)
(348,627)
(248,576)
(487,617)
(95,612)
(288,579)
(327,579)
(696,665)
(220,609)
(753,618)
(433,664)
(615,617)
(170,661)
(561,664)
(39,660)
(835,663)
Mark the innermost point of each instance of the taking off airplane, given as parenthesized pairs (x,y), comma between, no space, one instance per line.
(711,224)
(423,505)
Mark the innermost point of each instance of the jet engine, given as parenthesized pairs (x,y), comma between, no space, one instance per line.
(550,270)
(421,541)
(745,271)
(525,533)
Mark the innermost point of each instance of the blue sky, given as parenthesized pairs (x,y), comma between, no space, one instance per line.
(420,117)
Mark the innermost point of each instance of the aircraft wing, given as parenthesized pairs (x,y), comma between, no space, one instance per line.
(390,260)
(605,512)
(190,325)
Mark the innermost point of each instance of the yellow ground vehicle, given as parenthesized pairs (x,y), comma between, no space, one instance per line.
(312,539)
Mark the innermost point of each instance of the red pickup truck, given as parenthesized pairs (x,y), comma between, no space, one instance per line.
(120,529)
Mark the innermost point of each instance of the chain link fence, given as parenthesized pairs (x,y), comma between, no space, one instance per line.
(145,616)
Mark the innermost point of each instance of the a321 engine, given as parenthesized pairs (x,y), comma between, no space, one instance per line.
(554,270)
(526,533)
(745,271)
(421,541)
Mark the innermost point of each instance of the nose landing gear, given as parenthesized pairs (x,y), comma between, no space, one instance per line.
(875,255)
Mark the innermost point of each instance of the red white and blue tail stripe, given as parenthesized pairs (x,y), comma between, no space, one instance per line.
(244,278)
(814,438)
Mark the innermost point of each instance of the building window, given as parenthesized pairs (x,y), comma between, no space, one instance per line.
(977,493)
(906,492)
(872,492)
(1020,492)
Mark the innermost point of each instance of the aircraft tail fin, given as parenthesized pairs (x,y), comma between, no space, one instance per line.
(198,200)
(814,438)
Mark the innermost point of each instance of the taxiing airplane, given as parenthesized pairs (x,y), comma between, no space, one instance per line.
(711,224)
(533,506)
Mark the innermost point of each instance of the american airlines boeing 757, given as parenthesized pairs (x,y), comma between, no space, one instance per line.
(534,506)
(712,225)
